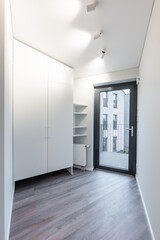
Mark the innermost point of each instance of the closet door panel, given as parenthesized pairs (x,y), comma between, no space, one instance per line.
(60,126)
(60,73)
(30,112)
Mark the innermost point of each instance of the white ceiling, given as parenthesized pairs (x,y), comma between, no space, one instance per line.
(63,30)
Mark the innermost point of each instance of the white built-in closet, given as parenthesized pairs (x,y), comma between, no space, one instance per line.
(43,113)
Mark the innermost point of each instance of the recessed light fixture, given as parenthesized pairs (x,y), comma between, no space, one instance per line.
(97,35)
(91,7)
(103,52)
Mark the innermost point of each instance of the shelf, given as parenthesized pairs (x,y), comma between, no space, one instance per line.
(80,127)
(80,113)
(80,135)
(80,105)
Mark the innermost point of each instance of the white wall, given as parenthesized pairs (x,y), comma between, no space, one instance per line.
(8,168)
(84,94)
(6,180)
(1,120)
(148,153)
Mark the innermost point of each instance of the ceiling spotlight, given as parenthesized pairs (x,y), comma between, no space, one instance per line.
(103,52)
(91,7)
(97,35)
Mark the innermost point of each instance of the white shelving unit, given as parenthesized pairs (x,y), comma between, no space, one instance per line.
(80,135)
(80,113)
(79,128)
(80,105)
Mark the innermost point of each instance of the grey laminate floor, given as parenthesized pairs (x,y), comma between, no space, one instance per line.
(96,205)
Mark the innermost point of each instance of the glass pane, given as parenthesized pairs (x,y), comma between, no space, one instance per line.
(114,133)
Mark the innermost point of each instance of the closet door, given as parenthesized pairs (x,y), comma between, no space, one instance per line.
(60,117)
(30,112)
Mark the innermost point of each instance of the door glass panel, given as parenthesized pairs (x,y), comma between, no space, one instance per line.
(114,129)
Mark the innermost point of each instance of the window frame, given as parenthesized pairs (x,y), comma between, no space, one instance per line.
(115,100)
(115,122)
(105,149)
(106,124)
(114,144)
(105,100)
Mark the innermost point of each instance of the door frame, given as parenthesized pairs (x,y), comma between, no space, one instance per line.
(132,122)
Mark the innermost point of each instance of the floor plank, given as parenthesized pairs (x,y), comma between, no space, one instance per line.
(96,205)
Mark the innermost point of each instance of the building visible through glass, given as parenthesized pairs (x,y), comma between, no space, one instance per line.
(114,120)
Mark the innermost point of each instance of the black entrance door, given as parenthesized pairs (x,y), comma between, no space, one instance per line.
(115,127)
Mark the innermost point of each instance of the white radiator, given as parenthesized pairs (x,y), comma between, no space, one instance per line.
(79,154)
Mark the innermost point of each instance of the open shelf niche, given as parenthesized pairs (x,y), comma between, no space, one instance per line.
(79,127)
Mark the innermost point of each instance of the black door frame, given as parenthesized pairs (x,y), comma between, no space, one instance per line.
(133,122)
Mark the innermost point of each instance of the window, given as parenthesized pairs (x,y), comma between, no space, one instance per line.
(115,97)
(115,122)
(105,122)
(105,140)
(114,144)
(105,99)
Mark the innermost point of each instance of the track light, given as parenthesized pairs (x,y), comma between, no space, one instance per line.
(91,7)
(103,52)
(97,35)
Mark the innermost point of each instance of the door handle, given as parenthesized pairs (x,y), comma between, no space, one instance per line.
(131,129)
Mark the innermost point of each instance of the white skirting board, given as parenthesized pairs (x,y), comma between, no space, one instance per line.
(84,168)
(11,208)
(145,209)
(89,169)
(79,154)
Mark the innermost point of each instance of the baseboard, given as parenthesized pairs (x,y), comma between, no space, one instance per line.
(11,207)
(145,209)
(83,168)
(89,169)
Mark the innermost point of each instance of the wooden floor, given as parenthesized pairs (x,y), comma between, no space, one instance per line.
(96,205)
